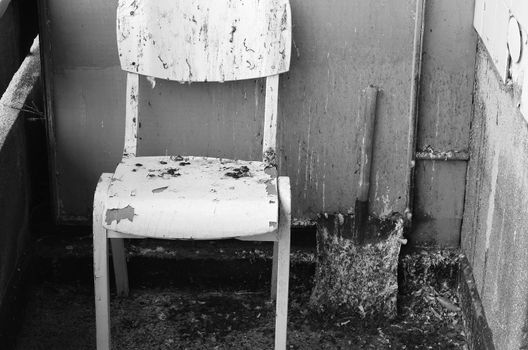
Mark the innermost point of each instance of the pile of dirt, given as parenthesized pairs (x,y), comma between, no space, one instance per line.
(357,279)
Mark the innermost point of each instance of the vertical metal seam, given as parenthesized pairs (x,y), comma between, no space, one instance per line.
(414,100)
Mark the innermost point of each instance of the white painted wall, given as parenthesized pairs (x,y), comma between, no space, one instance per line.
(499,33)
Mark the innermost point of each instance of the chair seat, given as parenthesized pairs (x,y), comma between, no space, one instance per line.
(192,198)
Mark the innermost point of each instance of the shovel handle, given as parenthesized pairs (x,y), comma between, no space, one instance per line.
(368,107)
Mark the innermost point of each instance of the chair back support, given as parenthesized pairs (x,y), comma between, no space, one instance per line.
(204,40)
(200,41)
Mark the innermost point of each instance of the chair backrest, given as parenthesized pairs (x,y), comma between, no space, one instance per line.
(204,41)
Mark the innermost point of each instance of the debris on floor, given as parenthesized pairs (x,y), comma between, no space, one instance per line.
(356,279)
(428,291)
(61,316)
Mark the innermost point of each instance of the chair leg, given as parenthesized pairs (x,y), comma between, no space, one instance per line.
(120,266)
(100,256)
(283,264)
(274,271)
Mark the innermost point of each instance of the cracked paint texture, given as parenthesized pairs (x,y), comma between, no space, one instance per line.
(192,198)
(215,42)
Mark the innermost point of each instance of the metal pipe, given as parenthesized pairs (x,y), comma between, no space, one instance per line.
(414,102)
(443,156)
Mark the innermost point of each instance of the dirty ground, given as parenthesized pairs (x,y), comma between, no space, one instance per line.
(60,316)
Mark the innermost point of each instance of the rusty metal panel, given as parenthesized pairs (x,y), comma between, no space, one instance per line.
(339,47)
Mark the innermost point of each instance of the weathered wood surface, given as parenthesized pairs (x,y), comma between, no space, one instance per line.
(281,261)
(202,40)
(269,140)
(192,198)
(120,266)
(361,208)
(368,112)
(132,115)
(100,266)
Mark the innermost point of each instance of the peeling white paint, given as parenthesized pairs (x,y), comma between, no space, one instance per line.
(132,115)
(269,142)
(176,197)
(215,42)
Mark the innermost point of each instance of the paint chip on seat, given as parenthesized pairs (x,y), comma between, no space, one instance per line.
(118,214)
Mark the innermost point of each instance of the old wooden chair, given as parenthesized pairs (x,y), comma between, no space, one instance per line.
(174,197)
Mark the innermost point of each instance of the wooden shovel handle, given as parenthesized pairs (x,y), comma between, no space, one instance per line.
(368,106)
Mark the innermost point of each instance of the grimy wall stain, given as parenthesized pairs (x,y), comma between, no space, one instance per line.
(339,47)
(443,125)
(495,229)
(15,182)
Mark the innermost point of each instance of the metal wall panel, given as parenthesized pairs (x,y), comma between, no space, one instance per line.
(443,125)
(339,48)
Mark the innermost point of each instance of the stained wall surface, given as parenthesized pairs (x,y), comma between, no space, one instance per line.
(495,228)
(443,125)
(339,47)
